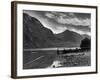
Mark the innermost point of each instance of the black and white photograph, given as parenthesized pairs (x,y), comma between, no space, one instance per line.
(53,39)
(56,39)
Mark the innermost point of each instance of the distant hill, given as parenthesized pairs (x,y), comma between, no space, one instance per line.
(35,35)
(69,36)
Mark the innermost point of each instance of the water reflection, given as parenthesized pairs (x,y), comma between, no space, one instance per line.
(45,58)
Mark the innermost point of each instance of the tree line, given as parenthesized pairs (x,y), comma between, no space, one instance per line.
(84,46)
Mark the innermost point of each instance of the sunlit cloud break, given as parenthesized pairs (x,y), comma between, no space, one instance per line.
(68,18)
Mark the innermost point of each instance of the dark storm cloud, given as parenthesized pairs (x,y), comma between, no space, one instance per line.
(60,21)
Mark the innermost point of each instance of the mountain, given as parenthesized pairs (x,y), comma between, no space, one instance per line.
(35,35)
(70,38)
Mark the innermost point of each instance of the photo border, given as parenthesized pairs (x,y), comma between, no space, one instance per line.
(14,37)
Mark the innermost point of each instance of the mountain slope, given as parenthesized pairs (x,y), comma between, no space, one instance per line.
(35,34)
(69,36)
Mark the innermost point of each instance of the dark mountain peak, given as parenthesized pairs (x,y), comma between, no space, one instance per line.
(69,36)
(69,31)
(35,34)
(32,20)
(25,14)
(28,16)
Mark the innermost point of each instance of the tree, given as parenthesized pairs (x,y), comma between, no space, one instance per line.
(85,43)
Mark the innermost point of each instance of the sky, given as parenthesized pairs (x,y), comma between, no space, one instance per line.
(58,22)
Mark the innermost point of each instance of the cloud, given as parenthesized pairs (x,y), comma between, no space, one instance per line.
(61,21)
(80,32)
(77,22)
(68,18)
(49,15)
(74,21)
(60,29)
